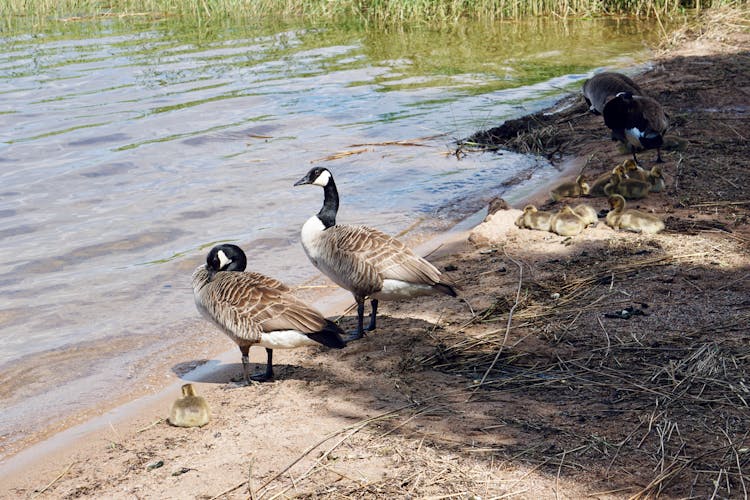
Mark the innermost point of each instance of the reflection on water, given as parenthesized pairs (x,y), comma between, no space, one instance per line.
(127,149)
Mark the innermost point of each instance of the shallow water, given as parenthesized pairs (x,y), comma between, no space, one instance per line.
(128,149)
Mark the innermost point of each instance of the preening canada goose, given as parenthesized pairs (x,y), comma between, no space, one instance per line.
(363,260)
(600,88)
(631,189)
(631,220)
(570,189)
(566,222)
(586,213)
(637,121)
(253,309)
(190,410)
(531,218)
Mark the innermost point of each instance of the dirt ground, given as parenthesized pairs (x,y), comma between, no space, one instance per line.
(606,365)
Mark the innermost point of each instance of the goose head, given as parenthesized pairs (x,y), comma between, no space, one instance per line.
(225,257)
(188,390)
(317,176)
(616,202)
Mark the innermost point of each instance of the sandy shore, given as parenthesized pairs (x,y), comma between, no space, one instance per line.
(526,387)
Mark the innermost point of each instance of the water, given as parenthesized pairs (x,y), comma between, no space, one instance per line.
(128,148)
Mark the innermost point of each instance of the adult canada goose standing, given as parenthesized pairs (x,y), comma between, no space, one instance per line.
(253,309)
(602,87)
(637,121)
(363,260)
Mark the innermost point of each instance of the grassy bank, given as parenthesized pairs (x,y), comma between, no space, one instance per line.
(380,11)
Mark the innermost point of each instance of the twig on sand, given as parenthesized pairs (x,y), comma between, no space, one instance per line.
(356,427)
(152,424)
(54,480)
(507,328)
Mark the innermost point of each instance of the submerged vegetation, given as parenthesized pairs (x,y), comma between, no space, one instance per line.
(368,11)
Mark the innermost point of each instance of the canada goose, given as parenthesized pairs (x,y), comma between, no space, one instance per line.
(570,189)
(631,220)
(190,410)
(597,187)
(566,222)
(363,260)
(531,218)
(637,121)
(602,87)
(586,213)
(631,189)
(254,309)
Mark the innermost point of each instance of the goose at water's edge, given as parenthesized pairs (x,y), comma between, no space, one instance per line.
(363,260)
(254,309)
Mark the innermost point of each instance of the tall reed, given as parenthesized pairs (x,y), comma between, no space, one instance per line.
(386,11)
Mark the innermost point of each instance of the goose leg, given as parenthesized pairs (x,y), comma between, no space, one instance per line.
(360,320)
(373,314)
(268,374)
(635,158)
(658,156)
(245,364)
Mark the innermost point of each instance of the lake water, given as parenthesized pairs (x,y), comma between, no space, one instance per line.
(127,148)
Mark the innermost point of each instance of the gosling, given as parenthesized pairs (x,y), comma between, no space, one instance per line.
(597,187)
(531,218)
(566,222)
(631,220)
(654,177)
(631,189)
(190,410)
(571,189)
(586,213)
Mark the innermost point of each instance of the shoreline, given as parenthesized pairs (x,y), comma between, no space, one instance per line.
(482,441)
(59,441)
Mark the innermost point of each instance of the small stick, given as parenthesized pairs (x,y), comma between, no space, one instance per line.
(557,478)
(155,422)
(54,480)
(507,328)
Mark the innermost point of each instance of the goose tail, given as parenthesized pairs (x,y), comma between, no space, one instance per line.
(446,289)
(329,336)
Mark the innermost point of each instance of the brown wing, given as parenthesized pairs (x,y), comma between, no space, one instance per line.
(374,253)
(248,304)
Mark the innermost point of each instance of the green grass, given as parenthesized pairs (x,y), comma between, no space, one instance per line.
(369,11)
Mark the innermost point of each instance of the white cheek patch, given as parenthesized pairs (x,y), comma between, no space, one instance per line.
(323,178)
(224,261)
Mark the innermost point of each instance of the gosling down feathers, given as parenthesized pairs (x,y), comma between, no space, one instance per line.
(579,187)
(255,309)
(190,410)
(637,121)
(602,87)
(631,220)
(368,263)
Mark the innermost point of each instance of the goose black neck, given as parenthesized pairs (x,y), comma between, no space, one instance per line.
(327,214)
